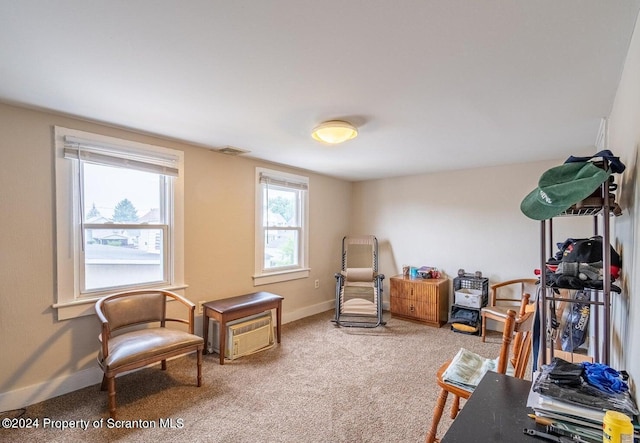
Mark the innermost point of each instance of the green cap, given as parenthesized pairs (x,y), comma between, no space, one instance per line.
(561,187)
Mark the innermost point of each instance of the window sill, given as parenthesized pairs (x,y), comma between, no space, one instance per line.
(277,277)
(86,306)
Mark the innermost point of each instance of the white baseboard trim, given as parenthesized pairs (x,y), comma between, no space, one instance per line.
(307,311)
(317,309)
(29,395)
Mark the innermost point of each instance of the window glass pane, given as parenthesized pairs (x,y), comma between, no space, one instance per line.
(118,257)
(121,223)
(281,207)
(115,257)
(281,231)
(118,195)
(280,248)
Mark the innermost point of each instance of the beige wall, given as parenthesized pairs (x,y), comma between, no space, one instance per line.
(624,138)
(42,356)
(220,225)
(466,219)
(471,219)
(457,219)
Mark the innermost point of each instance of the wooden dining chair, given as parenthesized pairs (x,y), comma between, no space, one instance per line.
(515,350)
(504,296)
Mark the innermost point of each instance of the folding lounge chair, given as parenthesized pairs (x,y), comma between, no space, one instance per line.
(358,284)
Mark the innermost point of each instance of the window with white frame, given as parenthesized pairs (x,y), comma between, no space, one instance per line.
(119,218)
(281,226)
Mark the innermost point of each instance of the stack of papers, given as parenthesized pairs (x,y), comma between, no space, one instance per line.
(577,410)
(467,369)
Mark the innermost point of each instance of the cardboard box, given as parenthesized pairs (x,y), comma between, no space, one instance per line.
(471,298)
(571,357)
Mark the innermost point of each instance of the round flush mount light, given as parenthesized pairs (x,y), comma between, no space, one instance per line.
(334,132)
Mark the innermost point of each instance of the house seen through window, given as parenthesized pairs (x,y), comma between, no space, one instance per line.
(125,228)
(281,220)
(119,218)
(281,226)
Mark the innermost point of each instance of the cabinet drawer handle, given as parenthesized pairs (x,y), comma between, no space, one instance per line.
(412,308)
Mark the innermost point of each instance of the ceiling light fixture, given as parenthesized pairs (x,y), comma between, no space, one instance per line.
(334,132)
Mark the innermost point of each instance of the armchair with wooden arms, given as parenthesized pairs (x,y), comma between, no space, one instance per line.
(127,345)
(504,296)
(514,354)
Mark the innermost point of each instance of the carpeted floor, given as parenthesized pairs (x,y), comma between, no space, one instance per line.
(321,384)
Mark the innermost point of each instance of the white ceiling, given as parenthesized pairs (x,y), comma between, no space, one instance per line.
(431,84)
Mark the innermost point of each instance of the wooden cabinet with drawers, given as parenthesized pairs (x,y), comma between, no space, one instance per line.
(425,300)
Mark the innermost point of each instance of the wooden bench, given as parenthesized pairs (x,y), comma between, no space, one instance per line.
(233,308)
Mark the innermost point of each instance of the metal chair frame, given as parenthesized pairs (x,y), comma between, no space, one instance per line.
(342,317)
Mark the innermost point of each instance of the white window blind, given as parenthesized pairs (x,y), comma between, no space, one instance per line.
(281,226)
(284,182)
(119,218)
(119,156)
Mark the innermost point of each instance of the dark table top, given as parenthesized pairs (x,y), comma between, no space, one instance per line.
(242,301)
(495,412)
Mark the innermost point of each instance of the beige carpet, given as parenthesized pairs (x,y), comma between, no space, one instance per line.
(321,384)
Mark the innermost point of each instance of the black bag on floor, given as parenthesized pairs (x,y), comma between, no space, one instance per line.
(465,320)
